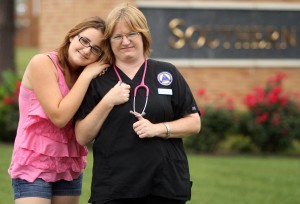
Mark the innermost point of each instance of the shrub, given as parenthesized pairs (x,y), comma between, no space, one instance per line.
(237,144)
(9,109)
(273,119)
(216,121)
(269,125)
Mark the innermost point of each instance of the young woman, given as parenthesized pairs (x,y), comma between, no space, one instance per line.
(47,162)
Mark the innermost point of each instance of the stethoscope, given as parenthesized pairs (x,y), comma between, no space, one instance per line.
(141,85)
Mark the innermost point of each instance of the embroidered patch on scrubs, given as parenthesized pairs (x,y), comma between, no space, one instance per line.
(165,78)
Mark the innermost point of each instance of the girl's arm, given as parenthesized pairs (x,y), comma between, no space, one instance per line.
(41,76)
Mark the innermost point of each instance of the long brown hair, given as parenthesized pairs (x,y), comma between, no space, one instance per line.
(92,22)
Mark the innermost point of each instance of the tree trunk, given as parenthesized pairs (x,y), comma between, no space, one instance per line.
(7,30)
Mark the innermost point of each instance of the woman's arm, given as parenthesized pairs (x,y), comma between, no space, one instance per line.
(41,77)
(183,127)
(87,128)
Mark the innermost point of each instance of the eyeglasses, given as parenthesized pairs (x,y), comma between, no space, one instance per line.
(86,43)
(129,36)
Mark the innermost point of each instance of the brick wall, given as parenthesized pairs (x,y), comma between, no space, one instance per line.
(26,34)
(236,82)
(57,17)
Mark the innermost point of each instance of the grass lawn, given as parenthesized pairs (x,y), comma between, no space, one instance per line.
(216,179)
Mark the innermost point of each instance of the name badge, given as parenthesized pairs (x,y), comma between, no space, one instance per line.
(165,91)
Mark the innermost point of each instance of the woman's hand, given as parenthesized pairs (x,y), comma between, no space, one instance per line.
(180,128)
(95,69)
(145,129)
(119,94)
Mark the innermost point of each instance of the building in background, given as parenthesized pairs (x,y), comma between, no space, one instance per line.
(26,21)
(226,47)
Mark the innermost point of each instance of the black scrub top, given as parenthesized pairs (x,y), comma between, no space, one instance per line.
(126,166)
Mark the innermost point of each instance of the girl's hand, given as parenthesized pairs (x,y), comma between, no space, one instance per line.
(95,69)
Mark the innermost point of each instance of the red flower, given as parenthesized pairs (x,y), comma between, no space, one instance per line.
(262,118)
(17,88)
(277,79)
(8,100)
(280,76)
(202,111)
(201,92)
(250,100)
(283,100)
(260,94)
(277,90)
(273,96)
(18,84)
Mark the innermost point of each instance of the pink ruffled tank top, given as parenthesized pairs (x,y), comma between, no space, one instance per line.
(41,149)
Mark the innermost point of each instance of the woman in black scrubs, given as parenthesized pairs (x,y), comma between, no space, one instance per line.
(138,150)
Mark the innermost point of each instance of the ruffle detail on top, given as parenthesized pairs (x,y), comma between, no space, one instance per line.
(45,138)
(49,148)
(39,126)
(25,157)
(30,173)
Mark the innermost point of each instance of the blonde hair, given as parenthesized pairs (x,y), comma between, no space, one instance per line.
(135,20)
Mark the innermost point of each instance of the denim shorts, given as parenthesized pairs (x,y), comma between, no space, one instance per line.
(43,189)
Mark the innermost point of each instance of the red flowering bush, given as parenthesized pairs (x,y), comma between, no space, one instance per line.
(9,109)
(270,124)
(217,119)
(273,119)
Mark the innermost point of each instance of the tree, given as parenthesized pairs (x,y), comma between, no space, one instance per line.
(7,30)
